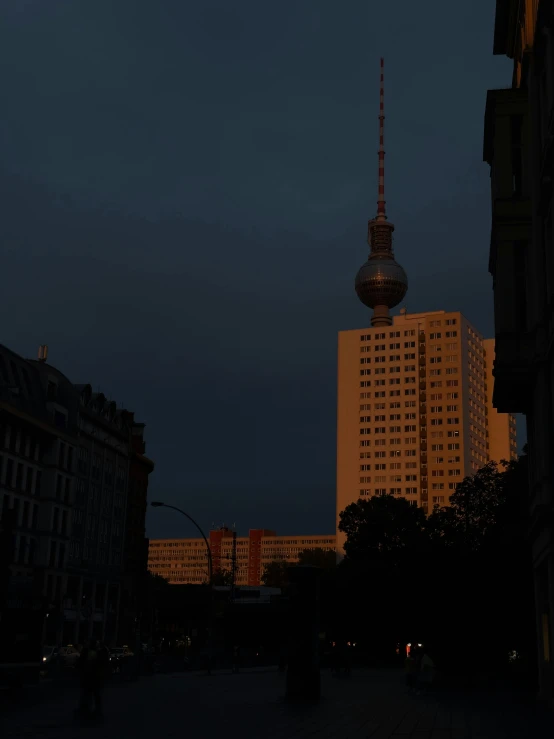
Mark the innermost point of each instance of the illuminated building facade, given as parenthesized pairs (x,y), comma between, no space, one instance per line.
(415,412)
(185,560)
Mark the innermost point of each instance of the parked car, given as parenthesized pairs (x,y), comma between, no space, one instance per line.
(118,655)
(50,657)
(68,656)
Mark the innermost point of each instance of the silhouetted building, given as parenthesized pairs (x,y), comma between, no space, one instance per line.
(135,552)
(65,459)
(519,147)
(185,560)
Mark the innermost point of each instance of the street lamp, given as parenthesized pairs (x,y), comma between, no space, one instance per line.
(160,504)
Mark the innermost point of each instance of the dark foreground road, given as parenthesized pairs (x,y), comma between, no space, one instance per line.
(371,704)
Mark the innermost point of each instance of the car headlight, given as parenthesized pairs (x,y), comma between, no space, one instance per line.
(44,659)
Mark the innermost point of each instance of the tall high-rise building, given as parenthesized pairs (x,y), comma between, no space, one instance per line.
(415,412)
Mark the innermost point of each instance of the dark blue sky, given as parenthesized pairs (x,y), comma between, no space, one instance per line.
(185,188)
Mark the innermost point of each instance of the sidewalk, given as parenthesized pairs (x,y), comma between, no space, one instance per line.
(368,705)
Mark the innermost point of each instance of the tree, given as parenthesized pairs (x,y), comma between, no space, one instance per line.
(473,511)
(275,574)
(326,559)
(222,577)
(382,527)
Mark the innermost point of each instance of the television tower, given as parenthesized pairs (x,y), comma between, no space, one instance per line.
(381,283)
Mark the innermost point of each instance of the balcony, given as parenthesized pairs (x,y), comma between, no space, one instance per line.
(423,397)
(423,419)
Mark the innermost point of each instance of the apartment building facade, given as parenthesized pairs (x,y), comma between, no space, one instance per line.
(415,411)
(519,147)
(185,560)
(65,456)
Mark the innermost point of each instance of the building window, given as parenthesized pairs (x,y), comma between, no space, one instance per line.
(451,321)
(438,499)
(51,391)
(19,476)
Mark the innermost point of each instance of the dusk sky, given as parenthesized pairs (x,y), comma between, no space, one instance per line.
(185,189)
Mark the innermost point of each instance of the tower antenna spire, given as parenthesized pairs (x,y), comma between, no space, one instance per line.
(381,215)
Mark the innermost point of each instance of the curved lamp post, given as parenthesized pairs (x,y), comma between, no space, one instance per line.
(160,504)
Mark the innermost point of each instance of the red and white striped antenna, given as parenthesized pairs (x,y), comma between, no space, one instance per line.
(381,215)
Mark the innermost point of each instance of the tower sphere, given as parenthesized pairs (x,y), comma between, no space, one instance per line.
(381,281)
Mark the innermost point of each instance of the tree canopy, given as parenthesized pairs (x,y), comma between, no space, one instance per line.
(382,526)
(275,574)
(222,576)
(460,579)
(326,559)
